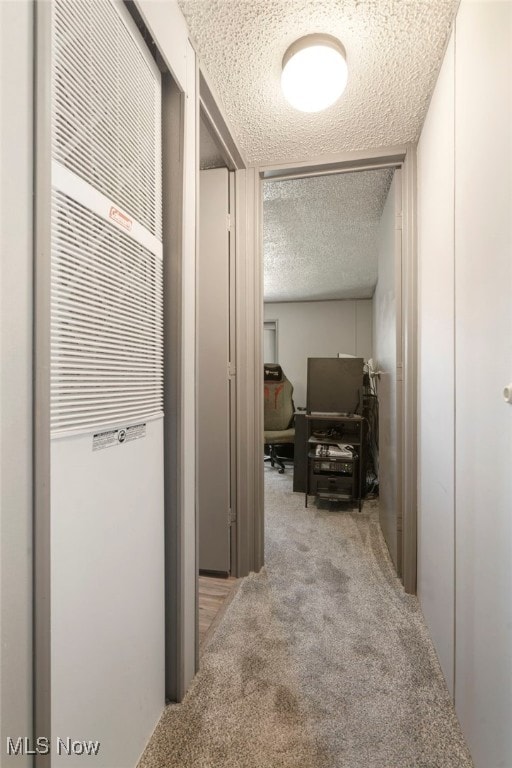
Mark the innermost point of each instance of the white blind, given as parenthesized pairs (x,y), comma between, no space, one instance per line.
(106,107)
(106,285)
(106,336)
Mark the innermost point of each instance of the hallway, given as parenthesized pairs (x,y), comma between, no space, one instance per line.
(320,660)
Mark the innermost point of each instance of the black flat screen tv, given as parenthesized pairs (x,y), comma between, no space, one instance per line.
(334,385)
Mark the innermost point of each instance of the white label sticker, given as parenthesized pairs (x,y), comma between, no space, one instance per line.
(119,436)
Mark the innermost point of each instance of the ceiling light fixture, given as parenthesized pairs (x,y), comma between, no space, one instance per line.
(314,72)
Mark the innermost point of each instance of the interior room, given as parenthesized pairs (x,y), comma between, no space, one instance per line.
(320,244)
(331,281)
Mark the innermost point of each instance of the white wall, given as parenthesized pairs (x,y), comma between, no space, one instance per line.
(16,99)
(465,195)
(483,362)
(436,375)
(318,329)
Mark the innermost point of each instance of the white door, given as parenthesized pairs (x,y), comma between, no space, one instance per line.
(388,353)
(107,473)
(213,361)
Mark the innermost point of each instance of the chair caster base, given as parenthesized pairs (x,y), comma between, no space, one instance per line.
(275,460)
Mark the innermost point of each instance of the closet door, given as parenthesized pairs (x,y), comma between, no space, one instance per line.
(106,498)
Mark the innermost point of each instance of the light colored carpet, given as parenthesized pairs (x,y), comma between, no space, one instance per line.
(320,661)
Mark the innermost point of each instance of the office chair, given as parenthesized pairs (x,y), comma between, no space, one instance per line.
(278,413)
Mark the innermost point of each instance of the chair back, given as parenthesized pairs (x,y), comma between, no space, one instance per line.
(278,400)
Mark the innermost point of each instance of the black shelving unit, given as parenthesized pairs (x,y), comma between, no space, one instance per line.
(335,478)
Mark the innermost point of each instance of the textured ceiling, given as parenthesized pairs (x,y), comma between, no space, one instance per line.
(394,50)
(320,235)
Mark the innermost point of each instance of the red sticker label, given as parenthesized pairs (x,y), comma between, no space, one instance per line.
(120,218)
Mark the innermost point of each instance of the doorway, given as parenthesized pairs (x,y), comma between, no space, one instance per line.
(216,385)
(332,272)
(400,525)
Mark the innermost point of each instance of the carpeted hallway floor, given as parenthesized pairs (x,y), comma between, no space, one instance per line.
(320,661)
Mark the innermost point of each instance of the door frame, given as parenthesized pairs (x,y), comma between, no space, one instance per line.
(249,531)
(234,162)
(251,323)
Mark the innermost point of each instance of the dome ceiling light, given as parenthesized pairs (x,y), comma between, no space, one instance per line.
(314,72)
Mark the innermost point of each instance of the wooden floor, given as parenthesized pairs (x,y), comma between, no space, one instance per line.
(214,594)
